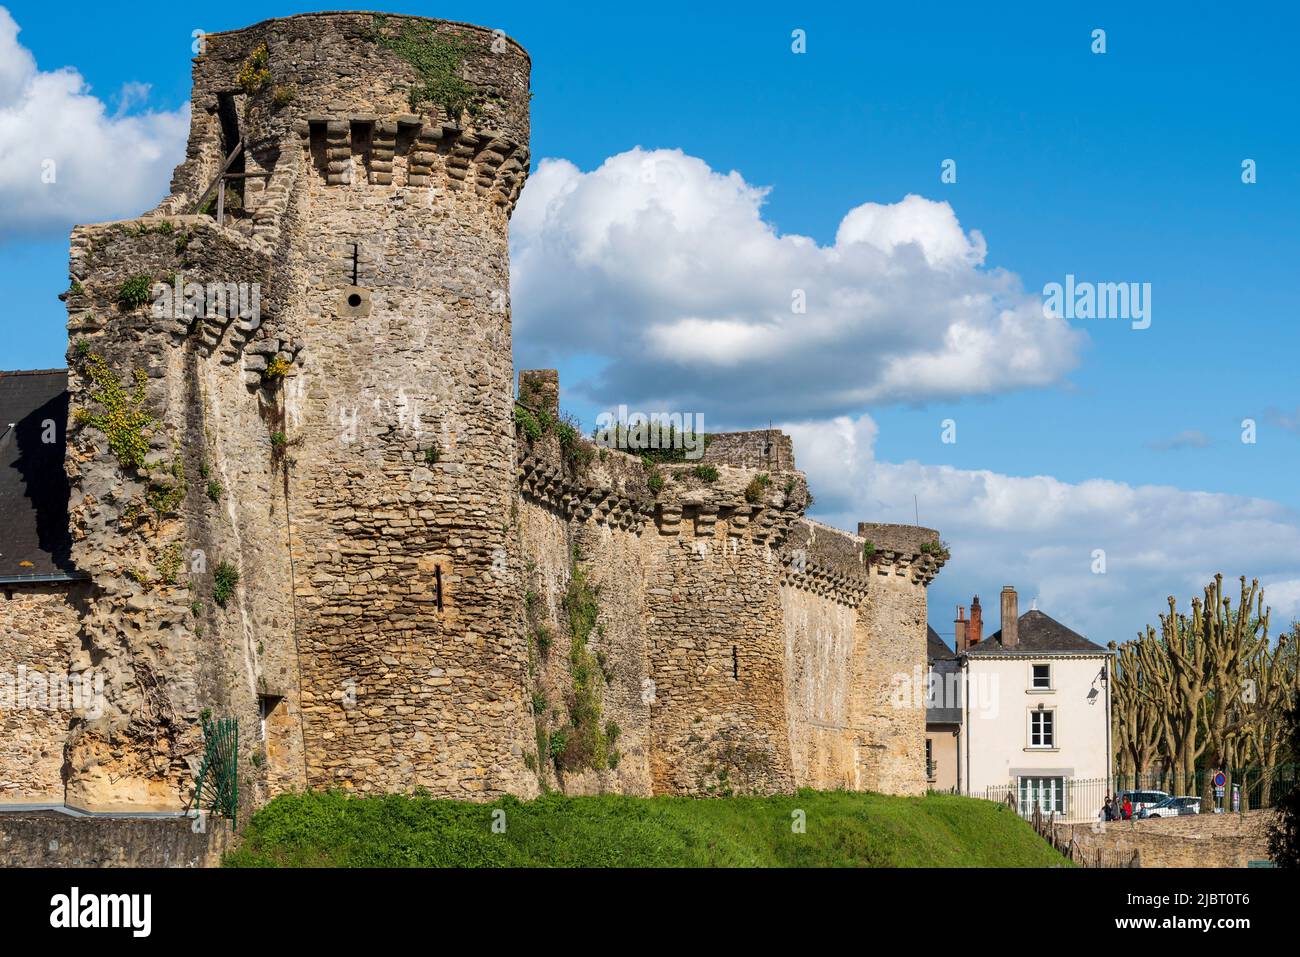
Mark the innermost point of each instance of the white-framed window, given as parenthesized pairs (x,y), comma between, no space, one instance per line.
(1046,793)
(1042,728)
(1040,677)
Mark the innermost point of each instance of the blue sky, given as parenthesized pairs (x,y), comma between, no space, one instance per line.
(1112,167)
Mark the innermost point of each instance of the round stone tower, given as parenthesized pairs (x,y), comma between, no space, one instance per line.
(396,147)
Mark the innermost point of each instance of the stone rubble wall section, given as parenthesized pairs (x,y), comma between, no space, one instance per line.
(771,646)
(168,651)
(39,627)
(1194,840)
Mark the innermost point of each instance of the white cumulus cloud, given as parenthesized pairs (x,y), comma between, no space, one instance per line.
(102,166)
(666,269)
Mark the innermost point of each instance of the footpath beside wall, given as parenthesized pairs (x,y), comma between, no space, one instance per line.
(1199,840)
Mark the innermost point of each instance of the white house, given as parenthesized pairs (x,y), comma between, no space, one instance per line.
(1035,712)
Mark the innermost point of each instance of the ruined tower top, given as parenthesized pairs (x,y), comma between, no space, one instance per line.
(441,92)
(353,63)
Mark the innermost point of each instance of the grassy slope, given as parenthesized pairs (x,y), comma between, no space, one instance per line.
(843,829)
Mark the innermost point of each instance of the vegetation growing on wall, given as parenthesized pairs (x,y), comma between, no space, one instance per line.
(757,485)
(224,579)
(123,418)
(655,442)
(167,489)
(168,563)
(536,423)
(135,292)
(275,370)
(584,741)
(936,549)
(438,61)
(255,74)
(528,422)
(283,95)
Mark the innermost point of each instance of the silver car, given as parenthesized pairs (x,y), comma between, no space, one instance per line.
(1141,800)
(1173,807)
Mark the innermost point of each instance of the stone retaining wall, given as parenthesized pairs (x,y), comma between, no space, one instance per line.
(1195,840)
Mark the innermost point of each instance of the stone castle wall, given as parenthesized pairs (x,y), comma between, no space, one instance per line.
(745,648)
(324,520)
(38,636)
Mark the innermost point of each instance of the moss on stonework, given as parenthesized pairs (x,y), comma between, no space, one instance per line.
(437,61)
(123,418)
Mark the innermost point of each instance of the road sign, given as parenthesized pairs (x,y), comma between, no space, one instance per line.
(1220,779)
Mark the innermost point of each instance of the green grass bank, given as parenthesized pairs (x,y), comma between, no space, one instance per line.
(834,829)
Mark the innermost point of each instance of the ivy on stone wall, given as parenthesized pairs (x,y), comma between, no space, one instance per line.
(123,418)
(437,61)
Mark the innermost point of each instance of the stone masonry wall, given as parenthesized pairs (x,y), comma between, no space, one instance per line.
(821,590)
(53,839)
(744,649)
(38,631)
(401,483)
(1195,840)
(893,625)
(174,476)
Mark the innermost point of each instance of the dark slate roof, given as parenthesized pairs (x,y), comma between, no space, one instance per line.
(1038,634)
(935,649)
(34,539)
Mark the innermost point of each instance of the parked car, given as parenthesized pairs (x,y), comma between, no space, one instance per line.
(1142,800)
(1173,807)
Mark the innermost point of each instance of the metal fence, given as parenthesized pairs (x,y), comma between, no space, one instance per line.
(1075,800)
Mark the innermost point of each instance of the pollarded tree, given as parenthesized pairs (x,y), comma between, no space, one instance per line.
(1234,641)
(1137,720)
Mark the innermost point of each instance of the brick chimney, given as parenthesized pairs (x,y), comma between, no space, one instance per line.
(959,629)
(976,627)
(1010,617)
